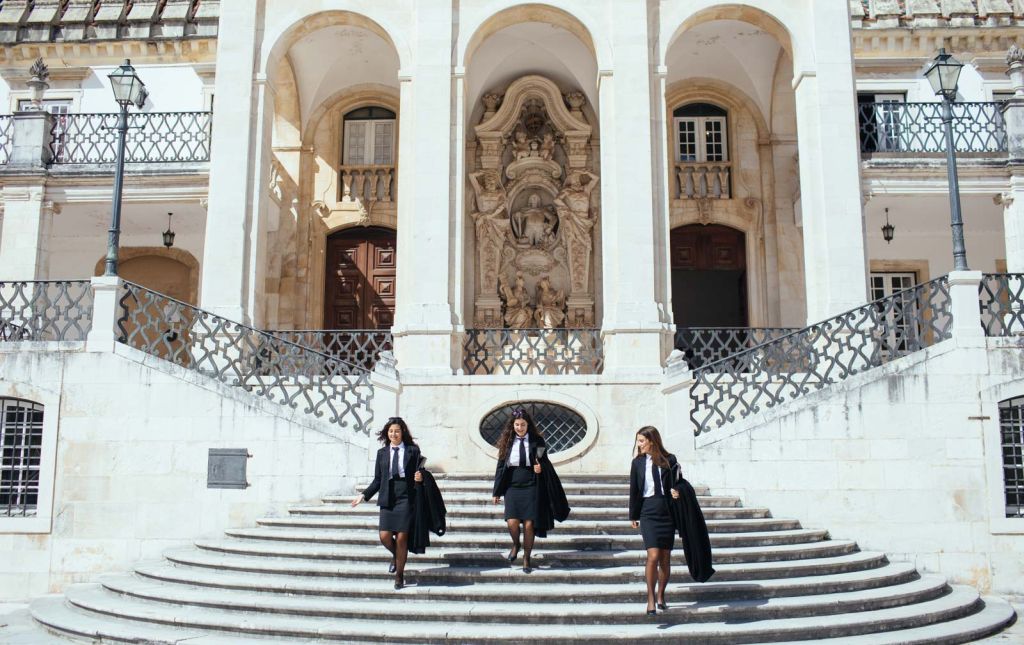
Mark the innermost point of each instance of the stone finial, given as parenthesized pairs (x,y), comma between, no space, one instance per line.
(575,101)
(491,101)
(386,364)
(1015,62)
(676,364)
(37,82)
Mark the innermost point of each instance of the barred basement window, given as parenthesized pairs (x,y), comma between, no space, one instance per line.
(21,435)
(1011,424)
(562,427)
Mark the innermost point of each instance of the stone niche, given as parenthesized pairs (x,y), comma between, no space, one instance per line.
(533,211)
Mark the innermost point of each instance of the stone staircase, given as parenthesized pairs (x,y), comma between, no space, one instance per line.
(321,574)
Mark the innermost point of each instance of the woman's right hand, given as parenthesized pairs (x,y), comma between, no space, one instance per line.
(635,523)
(357,501)
(497,500)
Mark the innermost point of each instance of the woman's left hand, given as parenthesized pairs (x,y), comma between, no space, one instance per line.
(675,494)
(418,477)
(536,468)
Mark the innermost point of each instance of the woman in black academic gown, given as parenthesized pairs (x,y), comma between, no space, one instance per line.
(534,498)
(651,482)
(395,471)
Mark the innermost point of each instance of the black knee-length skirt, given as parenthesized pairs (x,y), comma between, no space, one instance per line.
(398,516)
(521,496)
(656,525)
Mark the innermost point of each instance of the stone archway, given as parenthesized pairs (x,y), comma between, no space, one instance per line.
(172,272)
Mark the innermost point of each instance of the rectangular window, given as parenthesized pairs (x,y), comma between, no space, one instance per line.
(369,142)
(701,139)
(21,442)
(1011,430)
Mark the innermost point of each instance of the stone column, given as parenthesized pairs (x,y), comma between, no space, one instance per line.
(237,107)
(631,325)
(828,144)
(1013,199)
(423,314)
(27,222)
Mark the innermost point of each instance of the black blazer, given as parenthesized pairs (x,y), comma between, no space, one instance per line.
(636,482)
(382,473)
(552,505)
(503,474)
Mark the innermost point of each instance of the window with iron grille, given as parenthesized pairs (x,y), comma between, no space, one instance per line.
(1011,425)
(21,434)
(562,427)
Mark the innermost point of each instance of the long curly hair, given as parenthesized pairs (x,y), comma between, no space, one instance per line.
(407,439)
(658,453)
(508,433)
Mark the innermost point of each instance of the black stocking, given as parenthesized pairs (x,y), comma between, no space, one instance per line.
(513,531)
(528,542)
(651,575)
(664,571)
(401,553)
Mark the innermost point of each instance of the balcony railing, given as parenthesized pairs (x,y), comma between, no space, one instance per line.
(704,345)
(533,351)
(901,128)
(155,137)
(1002,304)
(368,183)
(45,310)
(6,137)
(361,347)
(703,180)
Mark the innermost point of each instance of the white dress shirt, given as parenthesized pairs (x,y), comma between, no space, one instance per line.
(651,471)
(513,454)
(401,458)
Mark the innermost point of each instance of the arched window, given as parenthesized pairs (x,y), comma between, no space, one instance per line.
(701,133)
(369,137)
(562,427)
(1011,426)
(21,436)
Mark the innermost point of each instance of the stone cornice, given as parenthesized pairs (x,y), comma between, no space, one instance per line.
(87,54)
(925,14)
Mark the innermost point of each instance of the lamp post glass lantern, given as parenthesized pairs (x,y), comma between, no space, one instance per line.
(888,230)
(943,75)
(128,90)
(168,234)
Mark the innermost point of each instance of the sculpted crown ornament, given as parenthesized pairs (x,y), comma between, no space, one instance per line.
(1015,56)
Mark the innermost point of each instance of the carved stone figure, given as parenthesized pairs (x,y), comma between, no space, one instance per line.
(547,146)
(492,223)
(520,146)
(518,312)
(550,312)
(575,224)
(534,225)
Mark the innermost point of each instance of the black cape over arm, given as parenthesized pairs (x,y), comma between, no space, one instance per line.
(552,504)
(428,514)
(693,531)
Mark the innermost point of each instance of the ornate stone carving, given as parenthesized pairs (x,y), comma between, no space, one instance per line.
(576,223)
(550,312)
(518,312)
(492,225)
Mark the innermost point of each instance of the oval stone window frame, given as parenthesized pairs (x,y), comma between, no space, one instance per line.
(540,396)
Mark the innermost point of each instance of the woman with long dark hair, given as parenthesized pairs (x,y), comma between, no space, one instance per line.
(651,483)
(524,476)
(396,469)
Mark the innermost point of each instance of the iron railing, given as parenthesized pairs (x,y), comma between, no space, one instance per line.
(6,137)
(154,137)
(533,351)
(238,355)
(704,345)
(896,127)
(361,347)
(45,310)
(562,427)
(1001,297)
(762,377)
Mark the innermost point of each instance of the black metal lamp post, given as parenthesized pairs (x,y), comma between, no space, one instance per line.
(943,76)
(128,90)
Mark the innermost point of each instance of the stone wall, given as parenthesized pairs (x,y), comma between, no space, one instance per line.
(131,462)
(904,459)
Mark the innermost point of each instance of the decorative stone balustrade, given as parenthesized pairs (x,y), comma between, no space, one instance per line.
(922,14)
(703,180)
(367,183)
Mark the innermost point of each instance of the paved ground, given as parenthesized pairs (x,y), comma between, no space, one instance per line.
(17,628)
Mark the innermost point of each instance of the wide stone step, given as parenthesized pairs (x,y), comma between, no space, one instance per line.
(743,525)
(492,511)
(571,487)
(480,557)
(427,573)
(567,612)
(893,573)
(561,538)
(577,501)
(960,602)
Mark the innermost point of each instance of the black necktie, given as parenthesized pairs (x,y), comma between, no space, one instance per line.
(394,463)
(522,453)
(656,473)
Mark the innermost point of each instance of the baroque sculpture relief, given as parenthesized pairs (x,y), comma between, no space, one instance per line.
(534,209)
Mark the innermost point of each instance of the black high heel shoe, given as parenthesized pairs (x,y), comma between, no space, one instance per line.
(527,568)
(393,566)
(662,606)
(513,554)
(399,581)
(652,612)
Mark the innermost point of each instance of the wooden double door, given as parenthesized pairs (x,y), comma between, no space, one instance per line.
(709,276)
(360,279)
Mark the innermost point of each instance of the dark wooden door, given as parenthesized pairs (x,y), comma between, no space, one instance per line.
(360,280)
(709,276)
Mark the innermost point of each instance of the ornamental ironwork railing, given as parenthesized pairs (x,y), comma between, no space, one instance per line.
(533,351)
(896,127)
(562,427)
(45,310)
(238,355)
(360,347)
(153,137)
(6,137)
(1001,297)
(767,375)
(703,180)
(704,345)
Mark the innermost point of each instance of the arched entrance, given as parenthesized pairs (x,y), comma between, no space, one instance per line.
(709,276)
(360,279)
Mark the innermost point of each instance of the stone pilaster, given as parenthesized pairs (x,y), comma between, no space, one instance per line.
(27,223)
